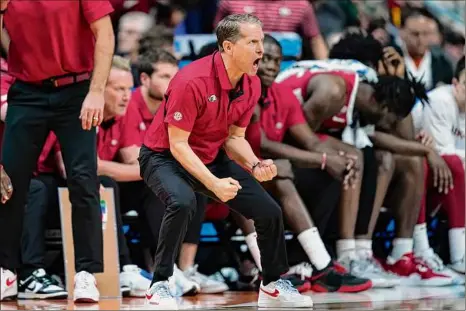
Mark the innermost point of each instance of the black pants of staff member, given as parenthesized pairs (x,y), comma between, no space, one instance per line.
(43,197)
(34,111)
(176,189)
(138,196)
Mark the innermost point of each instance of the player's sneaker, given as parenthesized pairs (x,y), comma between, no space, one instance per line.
(159,295)
(131,277)
(332,279)
(371,269)
(8,285)
(415,273)
(180,285)
(435,263)
(85,288)
(281,294)
(208,285)
(40,285)
(459,266)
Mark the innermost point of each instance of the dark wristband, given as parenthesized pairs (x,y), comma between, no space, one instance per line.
(2,12)
(255,165)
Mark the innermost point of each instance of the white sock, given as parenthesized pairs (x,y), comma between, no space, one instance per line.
(420,239)
(364,248)
(346,248)
(251,242)
(456,237)
(401,246)
(314,247)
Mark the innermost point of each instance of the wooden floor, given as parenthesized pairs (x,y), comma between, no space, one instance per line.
(401,298)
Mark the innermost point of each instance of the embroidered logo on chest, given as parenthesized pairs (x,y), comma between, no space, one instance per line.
(114,142)
(279,125)
(212,98)
(142,126)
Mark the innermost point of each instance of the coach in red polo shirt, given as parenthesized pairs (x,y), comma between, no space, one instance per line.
(204,116)
(60,54)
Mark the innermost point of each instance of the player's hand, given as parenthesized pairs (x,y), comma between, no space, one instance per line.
(92,111)
(266,170)
(6,187)
(226,189)
(4,4)
(443,180)
(341,167)
(284,168)
(393,63)
(424,138)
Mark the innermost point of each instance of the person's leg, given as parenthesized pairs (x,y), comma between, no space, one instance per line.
(24,136)
(253,202)
(454,205)
(80,158)
(34,281)
(79,152)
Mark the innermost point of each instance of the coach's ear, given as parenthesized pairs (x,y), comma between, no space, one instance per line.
(227,47)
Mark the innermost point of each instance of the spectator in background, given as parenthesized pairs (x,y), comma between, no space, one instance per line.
(453,45)
(431,67)
(281,16)
(131,27)
(377,28)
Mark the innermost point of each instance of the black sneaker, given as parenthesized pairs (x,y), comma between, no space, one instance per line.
(40,285)
(331,279)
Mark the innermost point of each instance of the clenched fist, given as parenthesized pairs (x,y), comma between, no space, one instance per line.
(226,189)
(264,170)
(6,187)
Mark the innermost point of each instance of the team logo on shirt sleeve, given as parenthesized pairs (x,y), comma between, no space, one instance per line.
(177,116)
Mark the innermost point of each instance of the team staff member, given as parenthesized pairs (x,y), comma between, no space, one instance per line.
(53,64)
(156,68)
(208,105)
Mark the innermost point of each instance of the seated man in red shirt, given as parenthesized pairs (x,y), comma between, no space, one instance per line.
(313,166)
(155,69)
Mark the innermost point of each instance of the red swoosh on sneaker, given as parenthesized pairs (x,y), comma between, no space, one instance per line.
(149,297)
(274,294)
(10,282)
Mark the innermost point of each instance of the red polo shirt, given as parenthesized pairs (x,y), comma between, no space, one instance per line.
(281,110)
(52,38)
(138,117)
(197,101)
(112,136)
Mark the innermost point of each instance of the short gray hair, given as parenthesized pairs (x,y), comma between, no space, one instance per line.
(228,29)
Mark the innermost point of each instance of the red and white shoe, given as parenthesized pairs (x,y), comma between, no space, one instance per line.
(415,273)
(85,288)
(434,262)
(8,285)
(281,294)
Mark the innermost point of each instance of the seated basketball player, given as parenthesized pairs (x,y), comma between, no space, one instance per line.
(444,119)
(321,170)
(409,174)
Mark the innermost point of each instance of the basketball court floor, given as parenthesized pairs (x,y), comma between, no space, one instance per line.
(400,298)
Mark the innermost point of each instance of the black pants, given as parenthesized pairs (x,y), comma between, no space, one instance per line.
(43,197)
(320,192)
(176,189)
(34,111)
(138,196)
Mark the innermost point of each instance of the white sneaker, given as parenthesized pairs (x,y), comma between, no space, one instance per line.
(180,285)
(159,295)
(281,294)
(459,266)
(434,262)
(208,285)
(131,277)
(371,269)
(40,285)
(85,288)
(8,284)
